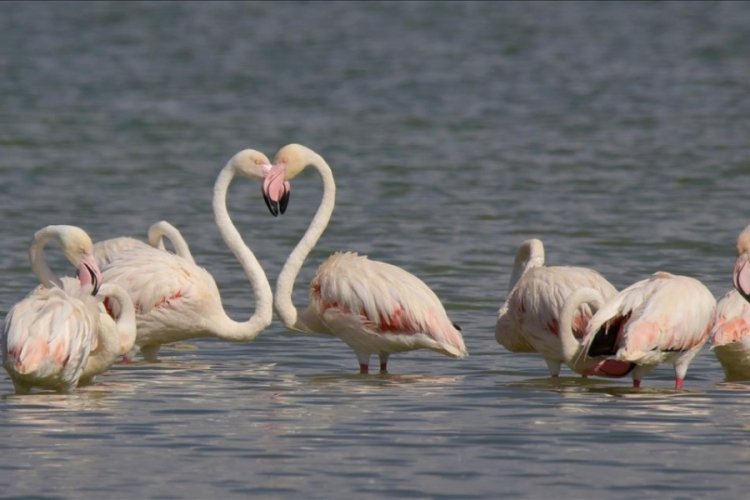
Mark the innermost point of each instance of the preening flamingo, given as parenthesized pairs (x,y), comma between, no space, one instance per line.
(177,300)
(374,307)
(730,335)
(662,319)
(112,339)
(530,319)
(47,336)
(104,251)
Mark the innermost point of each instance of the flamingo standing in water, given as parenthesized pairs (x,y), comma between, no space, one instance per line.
(104,251)
(177,300)
(374,307)
(730,336)
(530,319)
(663,319)
(48,336)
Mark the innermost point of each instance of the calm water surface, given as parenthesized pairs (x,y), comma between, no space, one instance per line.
(615,132)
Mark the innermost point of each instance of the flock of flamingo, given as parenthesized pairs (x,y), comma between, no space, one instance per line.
(130,294)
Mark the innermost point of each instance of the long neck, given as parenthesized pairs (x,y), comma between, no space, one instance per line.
(111,343)
(163,229)
(36,254)
(227,328)
(571,347)
(126,323)
(285,282)
(529,255)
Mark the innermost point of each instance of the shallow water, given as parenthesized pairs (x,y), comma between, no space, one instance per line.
(615,132)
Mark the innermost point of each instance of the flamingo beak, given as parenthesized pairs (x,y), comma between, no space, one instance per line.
(276,190)
(741,277)
(88,273)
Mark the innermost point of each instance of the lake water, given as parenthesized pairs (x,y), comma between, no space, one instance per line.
(618,133)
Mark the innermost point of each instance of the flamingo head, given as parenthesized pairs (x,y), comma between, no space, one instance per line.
(79,250)
(741,274)
(290,161)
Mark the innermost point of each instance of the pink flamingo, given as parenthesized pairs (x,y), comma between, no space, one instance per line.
(530,319)
(662,319)
(374,307)
(177,300)
(59,333)
(730,337)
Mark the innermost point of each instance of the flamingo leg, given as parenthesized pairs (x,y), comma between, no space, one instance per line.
(553,366)
(364,362)
(363,369)
(678,383)
(636,382)
(383,362)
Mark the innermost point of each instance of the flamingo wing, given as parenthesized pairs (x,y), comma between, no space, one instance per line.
(383,300)
(156,279)
(49,334)
(731,321)
(105,251)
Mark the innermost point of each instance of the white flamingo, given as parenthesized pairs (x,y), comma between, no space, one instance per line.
(175,299)
(730,335)
(374,307)
(530,319)
(662,319)
(104,251)
(112,339)
(48,335)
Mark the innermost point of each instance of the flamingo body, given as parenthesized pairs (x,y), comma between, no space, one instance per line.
(48,335)
(529,320)
(174,299)
(372,306)
(378,308)
(730,335)
(663,319)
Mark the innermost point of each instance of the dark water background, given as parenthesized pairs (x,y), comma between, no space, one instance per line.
(618,133)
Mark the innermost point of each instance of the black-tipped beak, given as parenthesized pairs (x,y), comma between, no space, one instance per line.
(273,207)
(94,279)
(279,207)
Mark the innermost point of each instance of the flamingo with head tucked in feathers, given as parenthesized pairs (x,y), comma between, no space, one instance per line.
(730,336)
(662,319)
(47,336)
(530,319)
(174,298)
(374,307)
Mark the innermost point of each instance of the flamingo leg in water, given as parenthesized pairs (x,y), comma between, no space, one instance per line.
(678,383)
(636,382)
(383,362)
(363,369)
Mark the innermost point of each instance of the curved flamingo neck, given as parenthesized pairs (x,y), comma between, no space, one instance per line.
(571,347)
(36,254)
(229,329)
(285,282)
(162,229)
(530,255)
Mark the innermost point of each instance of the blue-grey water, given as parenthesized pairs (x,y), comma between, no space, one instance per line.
(618,133)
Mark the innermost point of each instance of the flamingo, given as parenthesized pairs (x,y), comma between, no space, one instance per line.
(112,339)
(48,335)
(665,318)
(530,319)
(372,306)
(174,298)
(730,335)
(104,251)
